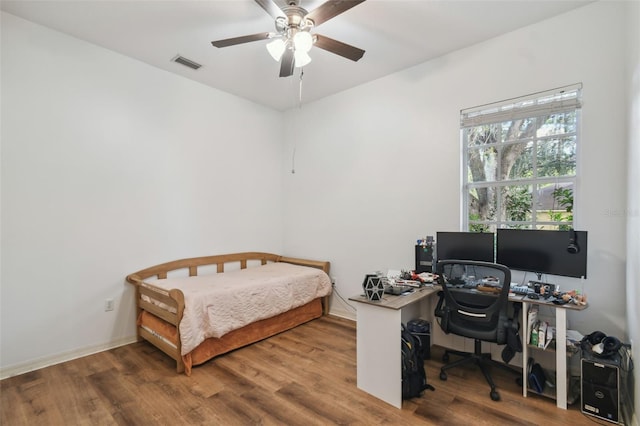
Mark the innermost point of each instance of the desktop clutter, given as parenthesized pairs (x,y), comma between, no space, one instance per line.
(395,282)
(401,282)
(473,258)
(604,359)
(548,292)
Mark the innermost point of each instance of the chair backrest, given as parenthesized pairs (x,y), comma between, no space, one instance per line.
(466,311)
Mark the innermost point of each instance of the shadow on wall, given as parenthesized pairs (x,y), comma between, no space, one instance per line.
(603,295)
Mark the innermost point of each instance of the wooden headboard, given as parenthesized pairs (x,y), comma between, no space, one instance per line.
(160,271)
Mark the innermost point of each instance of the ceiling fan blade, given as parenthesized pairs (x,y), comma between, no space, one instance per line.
(338,47)
(287,63)
(239,40)
(271,8)
(330,9)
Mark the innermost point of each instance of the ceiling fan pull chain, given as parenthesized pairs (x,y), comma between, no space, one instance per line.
(293,155)
(293,161)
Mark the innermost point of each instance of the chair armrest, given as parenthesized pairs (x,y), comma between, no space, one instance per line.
(442,313)
(438,311)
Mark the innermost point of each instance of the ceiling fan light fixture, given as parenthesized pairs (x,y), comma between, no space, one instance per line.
(291,43)
(276,48)
(301,58)
(303,41)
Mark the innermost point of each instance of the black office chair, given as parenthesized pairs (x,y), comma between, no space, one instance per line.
(469,312)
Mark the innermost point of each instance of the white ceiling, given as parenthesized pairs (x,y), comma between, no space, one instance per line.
(395,34)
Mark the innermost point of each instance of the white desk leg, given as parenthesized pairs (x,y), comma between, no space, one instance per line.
(561,358)
(379,368)
(525,350)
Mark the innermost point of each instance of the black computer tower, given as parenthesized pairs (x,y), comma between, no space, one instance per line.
(603,384)
(424,258)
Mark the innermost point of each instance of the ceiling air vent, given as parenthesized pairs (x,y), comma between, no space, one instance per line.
(186,62)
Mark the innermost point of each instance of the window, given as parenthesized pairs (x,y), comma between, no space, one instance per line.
(520,161)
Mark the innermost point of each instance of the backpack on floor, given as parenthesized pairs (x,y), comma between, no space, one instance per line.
(414,378)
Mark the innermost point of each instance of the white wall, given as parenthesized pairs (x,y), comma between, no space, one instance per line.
(109,166)
(379,165)
(633,209)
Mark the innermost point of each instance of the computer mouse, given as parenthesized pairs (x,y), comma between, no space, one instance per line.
(533,296)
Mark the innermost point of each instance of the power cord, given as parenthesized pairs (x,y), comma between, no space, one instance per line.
(335,290)
(293,155)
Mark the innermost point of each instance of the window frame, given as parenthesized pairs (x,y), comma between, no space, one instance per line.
(534,106)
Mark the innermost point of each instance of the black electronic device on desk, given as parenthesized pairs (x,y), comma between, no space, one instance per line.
(543,251)
(397,290)
(424,255)
(456,281)
(477,246)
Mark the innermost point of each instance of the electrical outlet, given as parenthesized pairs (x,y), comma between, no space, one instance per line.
(109,305)
(333,282)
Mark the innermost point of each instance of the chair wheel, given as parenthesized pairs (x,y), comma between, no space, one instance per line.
(443,375)
(445,358)
(495,396)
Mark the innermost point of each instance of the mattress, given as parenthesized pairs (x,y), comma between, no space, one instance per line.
(220,303)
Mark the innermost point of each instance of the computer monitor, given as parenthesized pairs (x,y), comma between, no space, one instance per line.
(465,246)
(543,251)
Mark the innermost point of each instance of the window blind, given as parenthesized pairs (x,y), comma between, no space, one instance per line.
(535,105)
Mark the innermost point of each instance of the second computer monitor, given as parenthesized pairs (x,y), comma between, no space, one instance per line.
(465,246)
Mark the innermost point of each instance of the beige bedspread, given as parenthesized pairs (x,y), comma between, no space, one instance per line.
(220,303)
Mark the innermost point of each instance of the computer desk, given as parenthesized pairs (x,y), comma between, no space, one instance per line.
(378,358)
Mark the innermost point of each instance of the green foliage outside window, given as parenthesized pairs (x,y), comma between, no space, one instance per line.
(514,161)
(564,198)
(518,204)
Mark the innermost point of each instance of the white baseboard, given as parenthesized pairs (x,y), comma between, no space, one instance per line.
(17,369)
(47,361)
(342,314)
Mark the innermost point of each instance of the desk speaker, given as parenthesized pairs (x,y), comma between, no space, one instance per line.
(424,258)
(601,389)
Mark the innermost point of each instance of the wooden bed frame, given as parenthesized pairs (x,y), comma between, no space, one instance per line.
(165,321)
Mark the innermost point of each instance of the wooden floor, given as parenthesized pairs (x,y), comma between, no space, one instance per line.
(305,376)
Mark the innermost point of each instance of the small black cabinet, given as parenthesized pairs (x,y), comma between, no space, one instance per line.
(424,258)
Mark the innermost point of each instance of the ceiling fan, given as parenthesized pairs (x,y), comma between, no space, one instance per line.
(293,39)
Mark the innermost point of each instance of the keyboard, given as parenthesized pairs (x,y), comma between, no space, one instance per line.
(520,289)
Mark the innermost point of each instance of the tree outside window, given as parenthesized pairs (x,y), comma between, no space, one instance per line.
(520,158)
